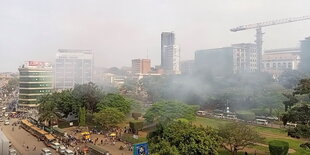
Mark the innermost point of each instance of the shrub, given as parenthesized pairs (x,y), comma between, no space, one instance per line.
(277,147)
(305,145)
(301,131)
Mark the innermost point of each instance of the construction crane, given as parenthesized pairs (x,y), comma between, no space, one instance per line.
(259,33)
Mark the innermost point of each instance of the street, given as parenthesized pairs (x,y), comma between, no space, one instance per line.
(20,137)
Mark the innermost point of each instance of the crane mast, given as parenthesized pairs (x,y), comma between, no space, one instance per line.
(259,33)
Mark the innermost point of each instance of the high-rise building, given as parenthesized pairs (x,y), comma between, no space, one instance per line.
(277,61)
(245,57)
(141,66)
(36,79)
(238,58)
(187,66)
(305,55)
(170,53)
(73,67)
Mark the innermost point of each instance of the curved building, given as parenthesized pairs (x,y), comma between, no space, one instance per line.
(35,80)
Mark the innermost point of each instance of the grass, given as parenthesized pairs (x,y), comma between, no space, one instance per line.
(214,123)
(267,132)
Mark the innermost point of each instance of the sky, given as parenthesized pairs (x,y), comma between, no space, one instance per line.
(120,30)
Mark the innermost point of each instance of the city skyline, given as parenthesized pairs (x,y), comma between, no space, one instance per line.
(130,30)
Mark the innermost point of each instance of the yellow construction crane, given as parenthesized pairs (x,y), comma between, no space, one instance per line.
(259,33)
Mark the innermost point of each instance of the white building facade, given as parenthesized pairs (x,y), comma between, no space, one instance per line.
(73,67)
(279,60)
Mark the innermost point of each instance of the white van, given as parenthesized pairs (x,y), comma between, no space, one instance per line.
(261,121)
(46,151)
(289,124)
(55,145)
(69,152)
(61,149)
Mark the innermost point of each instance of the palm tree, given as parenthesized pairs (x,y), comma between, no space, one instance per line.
(48,110)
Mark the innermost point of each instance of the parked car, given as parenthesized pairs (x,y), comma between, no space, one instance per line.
(62,149)
(55,145)
(219,115)
(69,152)
(6,122)
(46,151)
(12,151)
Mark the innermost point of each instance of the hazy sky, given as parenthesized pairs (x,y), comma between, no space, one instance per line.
(120,30)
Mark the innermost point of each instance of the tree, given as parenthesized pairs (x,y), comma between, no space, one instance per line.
(66,103)
(115,101)
(183,138)
(82,116)
(164,148)
(290,102)
(298,114)
(109,117)
(88,96)
(165,111)
(270,99)
(236,136)
(290,79)
(303,87)
(47,110)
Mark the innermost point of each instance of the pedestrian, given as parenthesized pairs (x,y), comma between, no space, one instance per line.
(27,148)
(101,141)
(34,148)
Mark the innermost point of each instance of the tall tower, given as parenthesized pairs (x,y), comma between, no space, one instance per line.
(170,53)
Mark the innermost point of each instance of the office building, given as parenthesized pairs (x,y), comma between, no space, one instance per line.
(170,54)
(187,67)
(35,80)
(141,66)
(238,58)
(277,61)
(305,55)
(73,67)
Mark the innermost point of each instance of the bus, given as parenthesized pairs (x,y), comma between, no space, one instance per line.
(38,132)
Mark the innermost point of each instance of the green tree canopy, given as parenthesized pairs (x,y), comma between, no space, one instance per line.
(298,114)
(88,96)
(109,117)
(183,138)
(115,101)
(236,136)
(47,110)
(164,111)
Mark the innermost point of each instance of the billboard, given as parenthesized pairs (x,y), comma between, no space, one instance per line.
(141,149)
(36,63)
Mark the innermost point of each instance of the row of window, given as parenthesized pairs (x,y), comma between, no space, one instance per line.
(278,65)
(28,97)
(36,73)
(34,79)
(27,91)
(35,85)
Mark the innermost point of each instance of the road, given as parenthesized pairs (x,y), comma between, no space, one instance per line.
(18,137)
